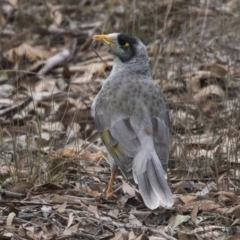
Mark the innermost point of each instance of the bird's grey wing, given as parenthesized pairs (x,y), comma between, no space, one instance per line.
(117,134)
(160,125)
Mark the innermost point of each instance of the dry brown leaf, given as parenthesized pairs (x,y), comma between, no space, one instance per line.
(49,230)
(61,209)
(224,199)
(7,235)
(94,209)
(114,213)
(13,3)
(95,157)
(203,139)
(155,238)
(10,218)
(205,204)
(235,237)
(209,206)
(98,187)
(117,236)
(187,198)
(235,222)
(52,126)
(141,236)
(75,150)
(62,199)
(131,235)
(46,85)
(134,221)
(219,69)
(22,187)
(4,172)
(209,106)
(2,20)
(194,213)
(193,80)
(95,169)
(47,187)
(72,129)
(70,220)
(33,53)
(30,232)
(209,91)
(177,220)
(55,14)
(228,210)
(211,186)
(236,213)
(66,153)
(128,188)
(231,195)
(184,236)
(71,230)
(205,229)
(93,193)
(58,18)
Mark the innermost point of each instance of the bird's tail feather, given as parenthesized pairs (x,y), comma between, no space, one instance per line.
(150,176)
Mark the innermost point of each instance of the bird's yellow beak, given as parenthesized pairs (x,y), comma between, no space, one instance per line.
(103,39)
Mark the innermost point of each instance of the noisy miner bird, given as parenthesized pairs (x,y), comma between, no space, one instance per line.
(132,119)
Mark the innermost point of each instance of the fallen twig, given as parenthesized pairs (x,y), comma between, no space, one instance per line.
(77,235)
(143,228)
(8,194)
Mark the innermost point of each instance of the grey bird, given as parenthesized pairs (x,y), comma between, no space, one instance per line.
(132,119)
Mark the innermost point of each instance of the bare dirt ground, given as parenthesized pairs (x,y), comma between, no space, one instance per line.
(53,169)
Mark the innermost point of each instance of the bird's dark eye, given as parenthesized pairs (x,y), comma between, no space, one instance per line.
(123,43)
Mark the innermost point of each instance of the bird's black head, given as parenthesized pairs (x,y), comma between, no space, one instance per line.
(129,52)
(121,45)
(128,45)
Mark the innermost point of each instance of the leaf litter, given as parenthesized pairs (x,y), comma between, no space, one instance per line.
(53,167)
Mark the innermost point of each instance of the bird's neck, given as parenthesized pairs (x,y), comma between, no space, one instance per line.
(132,67)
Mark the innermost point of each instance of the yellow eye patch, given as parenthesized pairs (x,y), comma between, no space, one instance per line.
(126,44)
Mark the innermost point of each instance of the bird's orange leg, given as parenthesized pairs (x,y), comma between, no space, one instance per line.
(109,190)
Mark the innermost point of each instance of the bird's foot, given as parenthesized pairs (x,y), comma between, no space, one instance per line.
(109,194)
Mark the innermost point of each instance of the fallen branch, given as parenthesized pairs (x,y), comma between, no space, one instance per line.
(143,228)
(8,194)
(78,235)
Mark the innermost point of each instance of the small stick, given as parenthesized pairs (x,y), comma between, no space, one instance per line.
(92,48)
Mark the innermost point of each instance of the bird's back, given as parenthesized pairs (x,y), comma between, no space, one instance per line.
(125,96)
